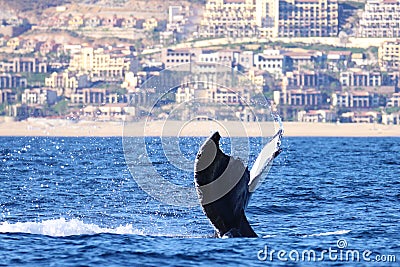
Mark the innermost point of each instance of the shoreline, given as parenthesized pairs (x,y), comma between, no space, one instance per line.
(66,128)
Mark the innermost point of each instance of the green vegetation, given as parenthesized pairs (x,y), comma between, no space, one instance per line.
(61,107)
(2,109)
(392,110)
(35,79)
(353,5)
(269,95)
(119,91)
(320,47)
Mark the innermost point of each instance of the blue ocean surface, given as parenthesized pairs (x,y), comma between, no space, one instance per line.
(74,202)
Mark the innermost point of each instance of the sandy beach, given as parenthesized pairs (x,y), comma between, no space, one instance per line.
(49,127)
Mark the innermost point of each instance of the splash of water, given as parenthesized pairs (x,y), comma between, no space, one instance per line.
(278,119)
(63,227)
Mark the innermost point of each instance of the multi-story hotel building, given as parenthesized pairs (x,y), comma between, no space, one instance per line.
(389,54)
(99,64)
(381,18)
(308,18)
(269,18)
(228,18)
(239,18)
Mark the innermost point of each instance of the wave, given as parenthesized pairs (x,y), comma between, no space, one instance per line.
(340,232)
(62,227)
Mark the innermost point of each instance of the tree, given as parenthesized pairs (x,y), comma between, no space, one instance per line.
(2,109)
(61,107)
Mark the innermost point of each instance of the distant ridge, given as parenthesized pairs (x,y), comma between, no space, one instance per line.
(36,6)
(39,6)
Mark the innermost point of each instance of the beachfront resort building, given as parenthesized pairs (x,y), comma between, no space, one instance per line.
(381,18)
(357,100)
(39,96)
(107,112)
(321,115)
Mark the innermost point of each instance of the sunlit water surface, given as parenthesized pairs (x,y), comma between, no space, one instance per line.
(73,201)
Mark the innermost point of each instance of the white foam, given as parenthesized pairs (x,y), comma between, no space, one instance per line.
(63,227)
(268,236)
(340,232)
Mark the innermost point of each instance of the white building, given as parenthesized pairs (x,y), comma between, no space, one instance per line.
(393,118)
(352,100)
(240,18)
(39,97)
(272,61)
(394,101)
(316,116)
(381,18)
(67,81)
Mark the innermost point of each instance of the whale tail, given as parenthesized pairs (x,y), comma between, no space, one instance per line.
(264,160)
(224,185)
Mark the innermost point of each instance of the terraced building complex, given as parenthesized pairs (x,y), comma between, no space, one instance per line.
(269,18)
(381,18)
(308,18)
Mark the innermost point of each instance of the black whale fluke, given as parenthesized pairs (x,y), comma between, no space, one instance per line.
(224,185)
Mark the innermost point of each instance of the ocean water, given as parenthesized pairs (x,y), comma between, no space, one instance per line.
(74,202)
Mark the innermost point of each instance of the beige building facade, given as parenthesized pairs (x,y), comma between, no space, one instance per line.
(98,64)
(270,18)
(381,18)
(389,54)
(239,18)
(308,18)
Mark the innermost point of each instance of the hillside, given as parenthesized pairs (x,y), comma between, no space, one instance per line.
(40,5)
(36,6)
(139,8)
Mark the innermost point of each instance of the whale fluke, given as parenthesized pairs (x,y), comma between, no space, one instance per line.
(224,185)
